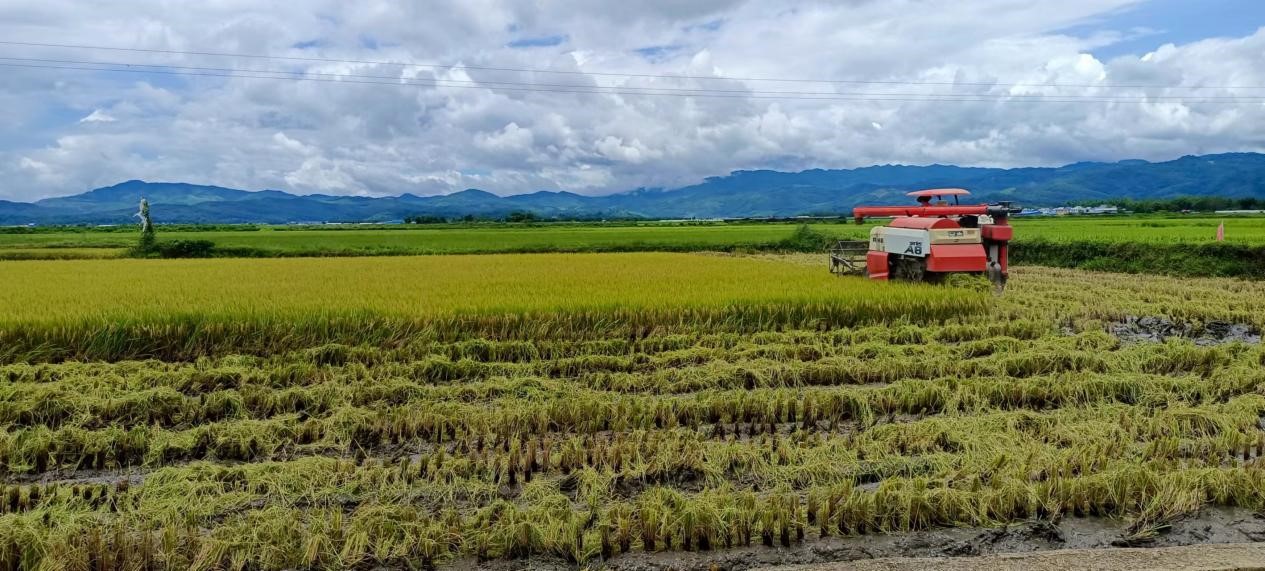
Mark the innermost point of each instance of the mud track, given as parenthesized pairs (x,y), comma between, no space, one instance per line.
(1221,538)
(1232,556)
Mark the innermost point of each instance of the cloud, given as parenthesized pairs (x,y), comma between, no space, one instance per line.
(33,165)
(324,175)
(98,116)
(465,125)
(288,144)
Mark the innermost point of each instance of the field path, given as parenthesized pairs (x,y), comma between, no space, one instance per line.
(1219,557)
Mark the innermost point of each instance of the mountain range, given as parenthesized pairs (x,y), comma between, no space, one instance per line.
(741,194)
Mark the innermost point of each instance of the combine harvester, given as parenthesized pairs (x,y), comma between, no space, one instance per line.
(929,241)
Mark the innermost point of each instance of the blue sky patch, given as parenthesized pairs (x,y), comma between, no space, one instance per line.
(1152,24)
(655,54)
(538,42)
(309,44)
(710,26)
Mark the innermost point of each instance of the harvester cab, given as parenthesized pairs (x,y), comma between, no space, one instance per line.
(931,240)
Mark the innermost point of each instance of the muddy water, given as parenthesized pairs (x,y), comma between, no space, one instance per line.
(1157,329)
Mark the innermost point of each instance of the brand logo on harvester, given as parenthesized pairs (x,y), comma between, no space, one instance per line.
(914,248)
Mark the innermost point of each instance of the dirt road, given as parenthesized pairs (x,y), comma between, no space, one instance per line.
(1223,557)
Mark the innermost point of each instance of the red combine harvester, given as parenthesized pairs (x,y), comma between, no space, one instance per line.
(928,241)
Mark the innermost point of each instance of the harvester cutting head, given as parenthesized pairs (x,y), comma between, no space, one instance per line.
(931,240)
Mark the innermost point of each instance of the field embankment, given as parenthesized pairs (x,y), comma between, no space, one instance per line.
(454,239)
(1174,259)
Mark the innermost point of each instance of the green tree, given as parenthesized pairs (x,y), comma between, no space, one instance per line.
(522,216)
(425,219)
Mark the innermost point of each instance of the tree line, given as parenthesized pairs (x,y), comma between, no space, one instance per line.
(520,216)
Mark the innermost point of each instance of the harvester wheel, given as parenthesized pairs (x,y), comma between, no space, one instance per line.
(909,269)
(917,270)
(996,276)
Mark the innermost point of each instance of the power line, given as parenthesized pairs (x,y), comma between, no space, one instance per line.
(609,74)
(432,83)
(438,82)
(595,91)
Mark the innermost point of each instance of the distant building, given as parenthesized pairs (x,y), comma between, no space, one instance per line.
(1104,209)
(1082,210)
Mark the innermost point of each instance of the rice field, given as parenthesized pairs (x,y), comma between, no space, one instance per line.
(423,285)
(577,237)
(1187,229)
(114,308)
(583,409)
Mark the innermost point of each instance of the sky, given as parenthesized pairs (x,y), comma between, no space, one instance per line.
(596,97)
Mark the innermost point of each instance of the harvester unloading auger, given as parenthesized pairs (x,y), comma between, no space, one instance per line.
(929,241)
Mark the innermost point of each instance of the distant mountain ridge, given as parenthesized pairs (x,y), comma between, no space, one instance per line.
(740,194)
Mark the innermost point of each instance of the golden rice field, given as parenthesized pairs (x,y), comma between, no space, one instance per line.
(423,286)
(589,410)
(185,308)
